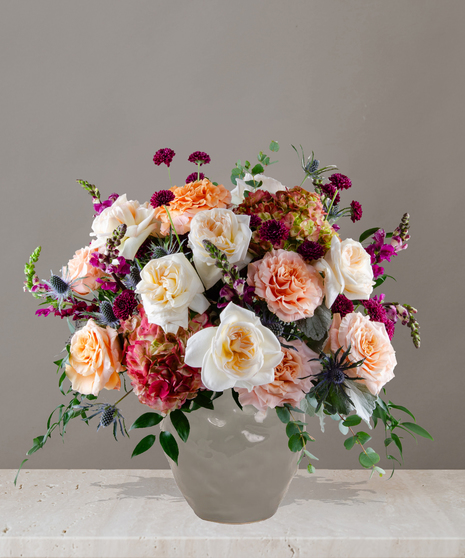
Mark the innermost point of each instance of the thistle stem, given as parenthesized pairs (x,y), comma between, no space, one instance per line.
(125,395)
(301,184)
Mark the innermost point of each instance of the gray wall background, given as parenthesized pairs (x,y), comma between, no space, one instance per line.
(92,89)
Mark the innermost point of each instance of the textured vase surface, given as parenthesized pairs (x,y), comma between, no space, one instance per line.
(236,465)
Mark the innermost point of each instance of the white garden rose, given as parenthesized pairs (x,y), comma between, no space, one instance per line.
(269,185)
(139,219)
(169,287)
(347,270)
(228,232)
(241,352)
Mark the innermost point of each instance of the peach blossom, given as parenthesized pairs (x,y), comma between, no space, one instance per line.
(367,340)
(190,200)
(95,359)
(291,288)
(79,267)
(290,380)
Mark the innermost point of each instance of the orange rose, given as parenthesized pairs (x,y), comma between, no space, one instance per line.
(95,359)
(79,267)
(190,200)
(367,340)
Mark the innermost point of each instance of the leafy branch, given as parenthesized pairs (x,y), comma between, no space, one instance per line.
(264,160)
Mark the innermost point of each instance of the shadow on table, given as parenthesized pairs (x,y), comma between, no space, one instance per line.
(301,490)
(325,490)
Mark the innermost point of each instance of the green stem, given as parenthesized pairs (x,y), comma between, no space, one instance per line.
(173,227)
(331,206)
(169,175)
(198,171)
(301,184)
(125,395)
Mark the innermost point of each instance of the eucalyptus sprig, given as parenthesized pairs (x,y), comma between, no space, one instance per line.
(264,160)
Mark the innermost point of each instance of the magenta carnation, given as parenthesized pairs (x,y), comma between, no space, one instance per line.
(342,305)
(199,158)
(340,181)
(155,362)
(375,310)
(194,177)
(162,197)
(355,211)
(165,155)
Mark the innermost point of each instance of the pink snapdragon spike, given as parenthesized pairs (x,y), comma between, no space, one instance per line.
(100,206)
(165,156)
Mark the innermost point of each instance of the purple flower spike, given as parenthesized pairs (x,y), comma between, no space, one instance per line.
(199,158)
(193,177)
(163,197)
(165,155)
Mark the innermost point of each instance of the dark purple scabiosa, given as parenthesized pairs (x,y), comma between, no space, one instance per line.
(274,231)
(355,211)
(165,156)
(310,250)
(329,190)
(375,310)
(199,158)
(342,305)
(162,197)
(124,305)
(193,177)
(340,181)
(255,221)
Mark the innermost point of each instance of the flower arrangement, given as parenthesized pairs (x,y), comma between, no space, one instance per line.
(203,292)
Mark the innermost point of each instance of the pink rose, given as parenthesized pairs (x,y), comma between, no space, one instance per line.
(291,381)
(291,288)
(95,359)
(367,340)
(79,266)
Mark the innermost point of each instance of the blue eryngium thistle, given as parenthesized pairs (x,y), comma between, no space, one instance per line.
(60,287)
(109,414)
(107,316)
(329,387)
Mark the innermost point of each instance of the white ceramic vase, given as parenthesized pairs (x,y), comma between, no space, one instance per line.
(236,466)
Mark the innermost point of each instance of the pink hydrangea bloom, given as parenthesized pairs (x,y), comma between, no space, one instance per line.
(155,362)
(290,384)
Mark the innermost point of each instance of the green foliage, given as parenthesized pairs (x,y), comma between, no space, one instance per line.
(353,420)
(296,433)
(181,424)
(274,146)
(240,170)
(147,420)
(144,445)
(317,326)
(169,445)
(368,233)
(283,414)
(368,458)
(30,271)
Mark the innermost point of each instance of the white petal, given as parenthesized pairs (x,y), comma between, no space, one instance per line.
(213,378)
(199,304)
(209,274)
(198,345)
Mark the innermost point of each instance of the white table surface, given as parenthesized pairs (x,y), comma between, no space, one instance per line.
(141,513)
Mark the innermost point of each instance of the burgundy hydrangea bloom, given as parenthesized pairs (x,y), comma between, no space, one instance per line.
(375,310)
(199,158)
(162,197)
(329,190)
(255,221)
(274,231)
(340,181)
(165,155)
(193,177)
(310,250)
(124,305)
(342,305)
(356,211)
(100,206)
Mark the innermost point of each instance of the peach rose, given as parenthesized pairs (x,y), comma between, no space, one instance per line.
(190,200)
(367,340)
(291,288)
(79,267)
(95,359)
(290,380)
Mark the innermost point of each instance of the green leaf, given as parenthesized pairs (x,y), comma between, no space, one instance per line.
(91,397)
(146,420)
(380,471)
(397,442)
(353,420)
(401,408)
(257,169)
(19,470)
(283,414)
(310,468)
(37,444)
(416,429)
(181,424)
(310,456)
(349,443)
(202,400)
(236,398)
(296,443)
(144,445)
(169,445)
(274,146)
(318,325)
(363,437)
(292,428)
(388,441)
(369,458)
(367,233)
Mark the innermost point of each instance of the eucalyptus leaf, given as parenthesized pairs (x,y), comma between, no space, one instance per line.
(292,428)
(274,146)
(350,443)
(353,420)
(296,443)
(310,468)
(283,414)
